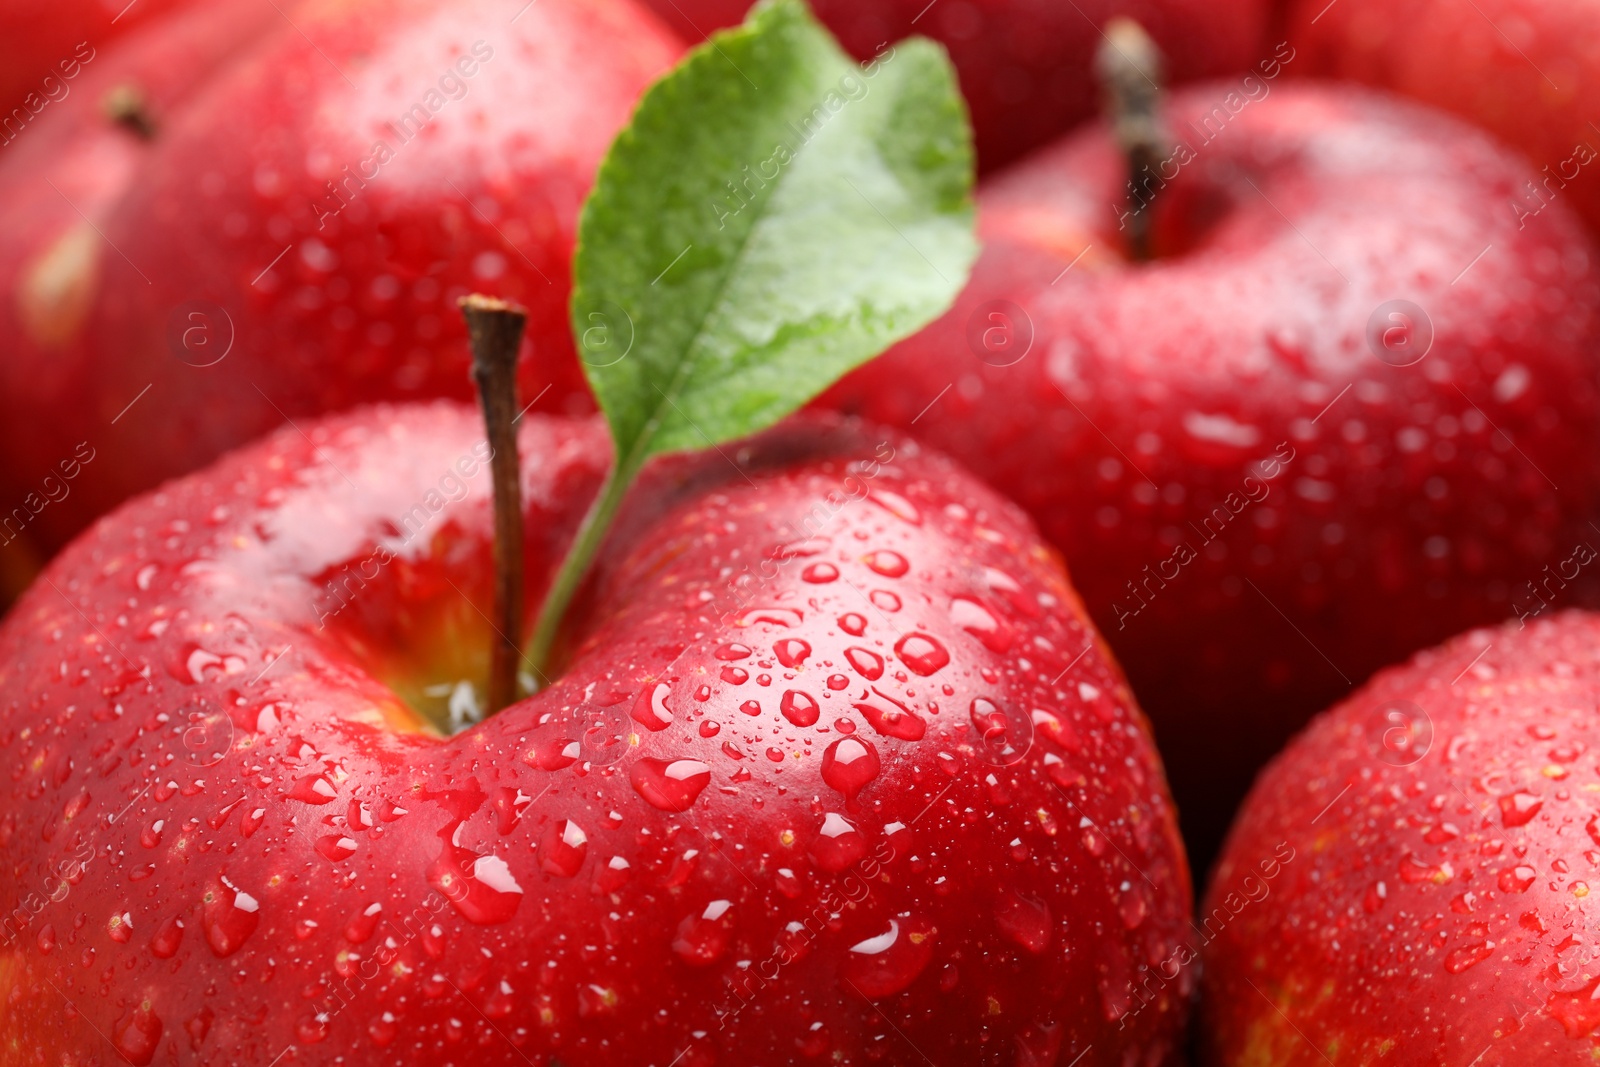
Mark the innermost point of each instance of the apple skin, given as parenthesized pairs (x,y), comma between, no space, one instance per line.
(360,306)
(37,38)
(78,160)
(179,731)
(1026,66)
(1521,68)
(1443,833)
(1398,511)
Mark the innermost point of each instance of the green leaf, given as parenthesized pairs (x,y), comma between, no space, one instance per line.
(775,215)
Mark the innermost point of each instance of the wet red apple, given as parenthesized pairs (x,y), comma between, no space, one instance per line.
(834,769)
(1347,408)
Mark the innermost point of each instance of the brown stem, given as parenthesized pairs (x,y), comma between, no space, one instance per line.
(495,328)
(126,106)
(1129,67)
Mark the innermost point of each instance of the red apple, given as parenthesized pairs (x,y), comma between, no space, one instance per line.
(57,186)
(1522,68)
(44,47)
(836,770)
(1408,883)
(1351,406)
(288,244)
(1025,65)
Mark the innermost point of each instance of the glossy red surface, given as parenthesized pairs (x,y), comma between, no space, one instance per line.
(1441,833)
(1524,69)
(46,44)
(837,770)
(1262,491)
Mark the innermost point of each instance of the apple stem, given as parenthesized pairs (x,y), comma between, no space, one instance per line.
(126,106)
(495,329)
(1130,71)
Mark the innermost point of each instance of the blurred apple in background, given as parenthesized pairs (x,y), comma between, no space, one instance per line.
(291,236)
(1025,65)
(1349,407)
(45,45)
(1526,69)
(59,179)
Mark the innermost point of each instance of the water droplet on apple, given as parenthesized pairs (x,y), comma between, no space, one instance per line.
(613,875)
(820,573)
(120,928)
(313,1029)
(848,765)
(710,728)
(853,624)
(313,789)
(509,804)
(799,708)
(360,928)
(137,1035)
(896,720)
(732,651)
(1519,808)
(1132,906)
(481,888)
(1468,955)
(650,708)
(703,937)
(228,916)
(887,562)
(886,964)
(791,651)
(383,1030)
(837,845)
(164,945)
(999,738)
(921,654)
(669,784)
(896,505)
(981,623)
(867,663)
(1025,922)
(1517,879)
(563,848)
(337,847)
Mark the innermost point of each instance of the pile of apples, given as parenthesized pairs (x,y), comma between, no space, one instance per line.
(734,706)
